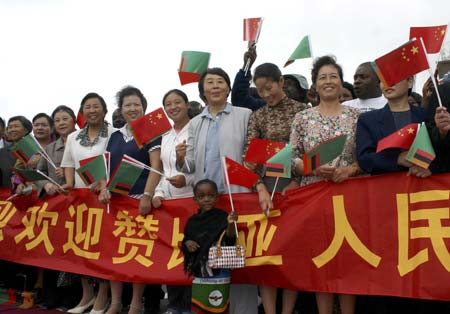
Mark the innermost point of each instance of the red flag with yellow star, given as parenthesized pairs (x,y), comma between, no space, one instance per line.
(260,150)
(401,63)
(239,175)
(251,28)
(150,126)
(432,36)
(402,138)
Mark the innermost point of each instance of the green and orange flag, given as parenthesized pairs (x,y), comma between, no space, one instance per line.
(302,51)
(432,36)
(193,64)
(279,165)
(26,148)
(93,170)
(323,153)
(149,127)
(401,63)
(421,152)
(124,177)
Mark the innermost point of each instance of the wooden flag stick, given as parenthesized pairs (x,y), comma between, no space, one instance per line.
(227,182)
(433,79)
(274,188)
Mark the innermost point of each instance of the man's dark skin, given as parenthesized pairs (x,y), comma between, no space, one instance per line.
(366,82)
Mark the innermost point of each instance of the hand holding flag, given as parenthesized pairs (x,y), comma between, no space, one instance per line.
(421,152)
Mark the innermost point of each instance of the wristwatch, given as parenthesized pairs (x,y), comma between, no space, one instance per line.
(149,194)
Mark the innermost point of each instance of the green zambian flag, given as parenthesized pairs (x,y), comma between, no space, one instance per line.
(124,177)
(302,51)
(26,148)
(30,175)
(193,64)
(279,165)
(421,152)
(323,153)
(93,171)
(210,295)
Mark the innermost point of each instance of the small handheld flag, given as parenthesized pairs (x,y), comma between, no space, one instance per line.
(323,153)
(93,170)
(149,127)
(402,138)
(421,152)
(260,150)
(302,51)
(432,36)
(252,28)
(239,175)
(401,63)
(124,177)
(193,64)
(279,165)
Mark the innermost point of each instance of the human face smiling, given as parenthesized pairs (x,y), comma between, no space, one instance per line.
(93,112)
(16,130)
(176,108)
(328,83)
(270,90)
(215,90)
(132,108)
(64,124)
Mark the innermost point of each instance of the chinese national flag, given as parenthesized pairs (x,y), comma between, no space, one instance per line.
(432,36)
(402,138)
(259,150)
(80,120)
(401,63)
(239,175)
(251,27)
(150,126)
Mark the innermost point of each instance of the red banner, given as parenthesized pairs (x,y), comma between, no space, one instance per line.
(381,235)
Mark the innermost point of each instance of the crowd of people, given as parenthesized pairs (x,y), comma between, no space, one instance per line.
(282,108)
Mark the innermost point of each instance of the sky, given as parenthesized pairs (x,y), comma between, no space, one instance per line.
(55,51)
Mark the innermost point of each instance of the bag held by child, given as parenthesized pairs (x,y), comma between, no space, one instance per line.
(226,257)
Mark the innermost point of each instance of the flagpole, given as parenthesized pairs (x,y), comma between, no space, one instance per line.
(433,79)
(227,181)
(43,152)
(107,175)
(274,188)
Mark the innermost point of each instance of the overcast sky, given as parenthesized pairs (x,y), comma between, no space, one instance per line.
(54,52)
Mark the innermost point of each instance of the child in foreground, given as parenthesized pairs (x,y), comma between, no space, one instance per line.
(210,289)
